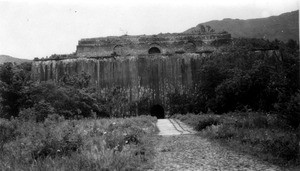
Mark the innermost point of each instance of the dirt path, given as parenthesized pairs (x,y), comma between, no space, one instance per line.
(179,149)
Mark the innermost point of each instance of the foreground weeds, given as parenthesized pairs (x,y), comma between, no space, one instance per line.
(262,135)
(90,144)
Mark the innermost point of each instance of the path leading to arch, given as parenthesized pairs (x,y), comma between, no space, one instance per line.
(178,148)
(173,127)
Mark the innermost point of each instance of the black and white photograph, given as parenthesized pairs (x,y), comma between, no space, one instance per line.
(154,85)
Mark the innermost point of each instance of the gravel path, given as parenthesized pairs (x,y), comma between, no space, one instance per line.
(192,152)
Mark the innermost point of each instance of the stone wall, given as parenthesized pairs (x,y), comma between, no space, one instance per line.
(137,45)
(140,76)
(151,75)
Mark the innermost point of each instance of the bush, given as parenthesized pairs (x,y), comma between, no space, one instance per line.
(248,120)
(279,144)
(260,134)
(7,132)
(39,140)
(180,103)
(206,122)
(38,113)
(69,102)
(292,113)
(28,114)
(223,131)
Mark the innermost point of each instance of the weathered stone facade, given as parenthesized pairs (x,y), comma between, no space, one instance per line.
(143,45)
(151,66)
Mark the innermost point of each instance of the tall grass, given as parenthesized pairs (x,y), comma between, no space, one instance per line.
(89,144)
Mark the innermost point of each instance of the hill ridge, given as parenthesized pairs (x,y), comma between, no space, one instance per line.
(7,58)
(283,27)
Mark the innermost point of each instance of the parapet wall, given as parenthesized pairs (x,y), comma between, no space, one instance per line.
(142,44)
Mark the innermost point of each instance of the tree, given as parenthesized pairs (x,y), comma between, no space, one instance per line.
(67,101)
(292,44)
(245,79)
(13,80)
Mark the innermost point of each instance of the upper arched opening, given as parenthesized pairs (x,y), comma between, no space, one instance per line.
(190,46)
(119,50)
(154,50)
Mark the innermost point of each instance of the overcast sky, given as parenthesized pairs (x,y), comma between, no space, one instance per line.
(39,28)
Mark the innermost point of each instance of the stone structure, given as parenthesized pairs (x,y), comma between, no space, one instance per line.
(143,45)
(143,66)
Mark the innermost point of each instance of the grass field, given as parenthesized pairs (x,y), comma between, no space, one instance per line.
(89,144)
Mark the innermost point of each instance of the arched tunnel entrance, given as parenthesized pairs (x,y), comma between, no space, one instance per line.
(158,111)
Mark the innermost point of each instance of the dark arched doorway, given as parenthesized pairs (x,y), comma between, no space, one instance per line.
(154,50)
(158,111)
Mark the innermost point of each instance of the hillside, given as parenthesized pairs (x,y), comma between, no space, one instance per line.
(6,58)
(282,27)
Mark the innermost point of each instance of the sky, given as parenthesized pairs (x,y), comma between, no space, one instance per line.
(39,28)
